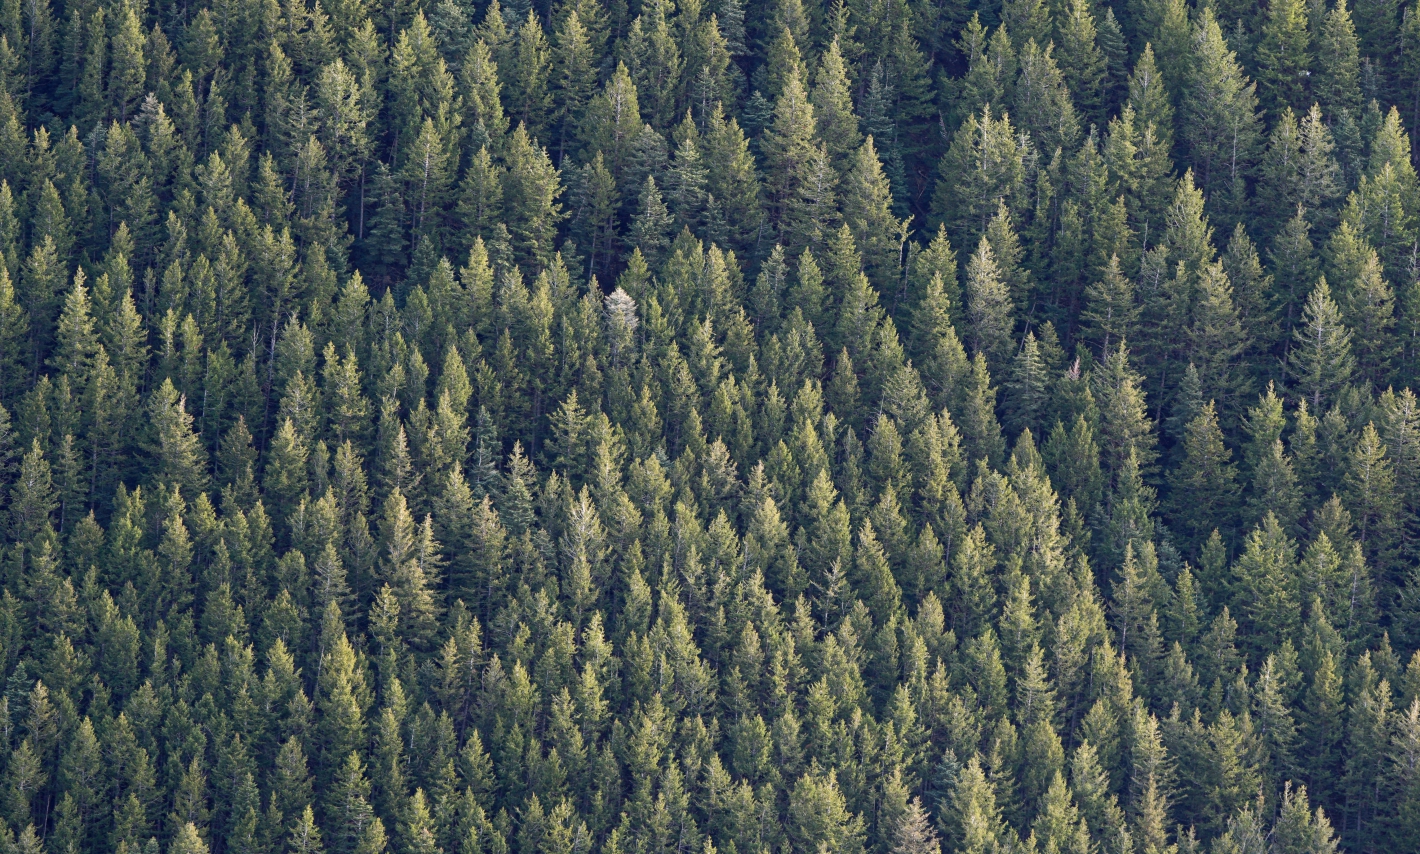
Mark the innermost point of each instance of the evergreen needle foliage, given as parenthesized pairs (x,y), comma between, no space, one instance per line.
(592,427)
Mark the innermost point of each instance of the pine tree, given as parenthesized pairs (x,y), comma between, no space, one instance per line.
(1338,68)
(732,179)
(337,698)
(305,835)
(1265,586)
(1205,483)
(984,166)
(873,577)
(1371,314)
(1027,20)
(427,179)
(1220,120)
(789,148)
(126,70)
(1275,722)
(188,841)
(1292,260)
(14,328)
(1274,487)
(988,306)
(1026,387)
(1218,340)
(832,101)
(1300,831)
(1149,97)
(41,280)
(1370,486)
(1081,60)
(1125,427)
(810,215)
(974,411)
(409,566)
(530,191)
(348,810)
(650,230)
(913,833)
(991,65)
(818,813)
(974,822)
(1042,102)
(687,177)
(1404,774)
(290,782)
(1110,311)
(1299,170)
(286,476)
(1321,360)
(867,211)
(527,76)
(1282,56)
(178,451)
(76,340)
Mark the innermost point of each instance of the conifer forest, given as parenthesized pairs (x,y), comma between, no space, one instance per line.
(709,427)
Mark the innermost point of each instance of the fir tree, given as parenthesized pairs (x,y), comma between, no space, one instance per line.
(983,166)
(1205,486)
(1321,360)
(1220,120)
(178,451)
(1282,56)
(1338,68)
(530,191)
(1081,60)
(831,97)
(1110,311)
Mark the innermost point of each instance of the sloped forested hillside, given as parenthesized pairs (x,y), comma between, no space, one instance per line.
(701,427)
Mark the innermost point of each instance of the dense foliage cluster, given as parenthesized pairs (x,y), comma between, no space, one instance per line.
(582,427)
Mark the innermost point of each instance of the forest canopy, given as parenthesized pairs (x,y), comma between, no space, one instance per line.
(699,427)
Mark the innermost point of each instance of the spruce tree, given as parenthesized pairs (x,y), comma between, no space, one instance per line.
(1338,68)
(831,96)
(867,211)
(1082,61)
(1283,57)
(988,306)
(177,450)
(1204,490)
(984,166)
(1041,101)
(1110,311)
(530,191)
(1220,119)
(1125,427)
(1321,361)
